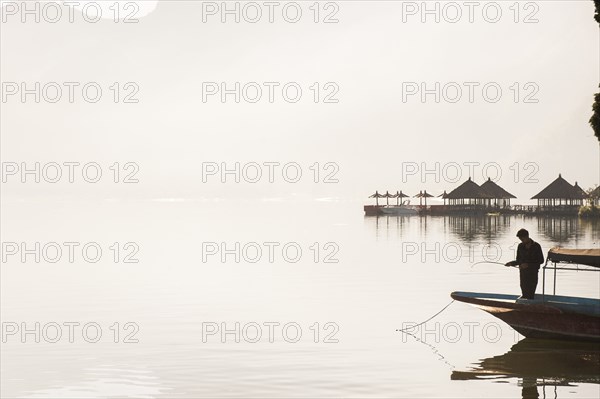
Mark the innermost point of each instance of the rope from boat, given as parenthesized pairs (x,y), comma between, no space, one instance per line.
(404,330)
(433,348)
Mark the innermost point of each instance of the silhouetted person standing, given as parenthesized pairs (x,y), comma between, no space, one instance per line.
(529,259)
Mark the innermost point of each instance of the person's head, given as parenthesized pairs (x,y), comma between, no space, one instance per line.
(523,235)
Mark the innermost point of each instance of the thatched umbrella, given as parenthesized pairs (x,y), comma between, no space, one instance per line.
(444,195)
(423,194)
(426,195)
(399,195)
(387,196)
(376,196)
(420,196)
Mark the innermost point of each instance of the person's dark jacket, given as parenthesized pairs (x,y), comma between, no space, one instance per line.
(533,256)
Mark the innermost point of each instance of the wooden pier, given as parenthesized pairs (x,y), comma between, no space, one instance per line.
(441,210)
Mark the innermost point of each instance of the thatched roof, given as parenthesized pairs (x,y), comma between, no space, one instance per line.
(468,189)
(559,189)
(580,190)
(495,190)
(423,194)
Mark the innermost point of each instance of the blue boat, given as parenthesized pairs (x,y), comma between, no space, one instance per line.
(548,316)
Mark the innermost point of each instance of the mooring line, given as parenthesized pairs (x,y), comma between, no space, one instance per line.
(417,325)
(434,349)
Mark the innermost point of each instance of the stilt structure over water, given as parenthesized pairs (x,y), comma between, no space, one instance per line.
(560,198)
(470,198)
(501,197)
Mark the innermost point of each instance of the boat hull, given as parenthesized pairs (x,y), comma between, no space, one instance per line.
(398,210)
(547,317)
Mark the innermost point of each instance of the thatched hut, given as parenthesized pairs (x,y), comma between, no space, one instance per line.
(469,194)
(560,194)
(501,197)
(580,190)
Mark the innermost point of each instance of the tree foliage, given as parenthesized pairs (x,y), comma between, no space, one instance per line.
(595,119)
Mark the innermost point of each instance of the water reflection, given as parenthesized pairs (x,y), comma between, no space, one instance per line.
(472,228)
(559,230)
(464,228)
(540,363)
(590,228)
(389,224)
(564,230)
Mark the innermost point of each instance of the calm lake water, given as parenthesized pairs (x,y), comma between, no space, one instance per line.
(317,307)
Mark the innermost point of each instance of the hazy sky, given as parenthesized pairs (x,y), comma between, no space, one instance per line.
(368,61)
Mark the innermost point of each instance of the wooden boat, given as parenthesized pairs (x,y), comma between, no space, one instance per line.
(398,210)
(548,316)
(404,209)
